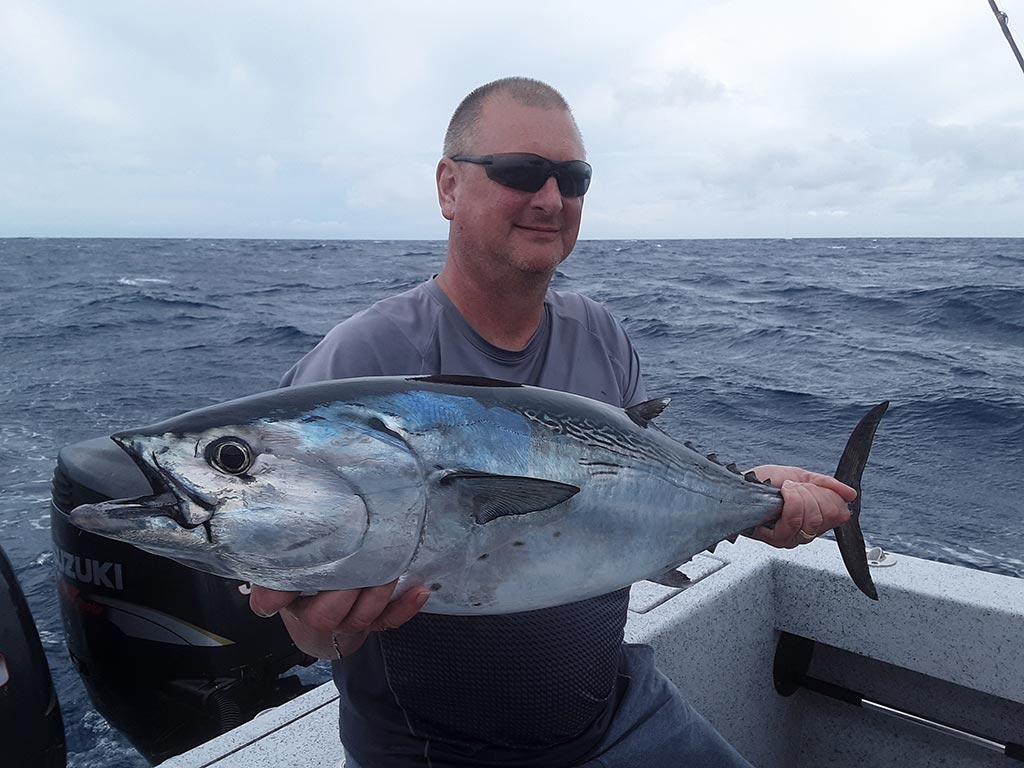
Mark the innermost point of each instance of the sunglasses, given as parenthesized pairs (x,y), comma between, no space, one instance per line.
(528,172)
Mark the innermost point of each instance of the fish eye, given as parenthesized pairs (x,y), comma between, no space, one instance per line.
(230,455)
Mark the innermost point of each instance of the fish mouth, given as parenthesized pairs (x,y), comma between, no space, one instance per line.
(172,497)
(166,504)
(126,515)
(151,523)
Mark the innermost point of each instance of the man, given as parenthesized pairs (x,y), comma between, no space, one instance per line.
(545,688)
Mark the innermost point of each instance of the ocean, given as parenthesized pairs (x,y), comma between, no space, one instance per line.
(770,350)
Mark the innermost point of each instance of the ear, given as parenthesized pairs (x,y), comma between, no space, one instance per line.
(447,181)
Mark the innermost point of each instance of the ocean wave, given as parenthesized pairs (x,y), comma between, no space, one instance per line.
(771,350)
(280,334)
(134,301)
(650,328)
(415,254)
(302,247)
(142,282)
(955,306)
(277,289)
(988,412)
(956,553)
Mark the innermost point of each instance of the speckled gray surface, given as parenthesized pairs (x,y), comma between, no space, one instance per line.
(303,732)
(941,620)
(944,637)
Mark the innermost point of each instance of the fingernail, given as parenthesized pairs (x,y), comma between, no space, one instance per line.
(422,599)
(787,484)
(262,613)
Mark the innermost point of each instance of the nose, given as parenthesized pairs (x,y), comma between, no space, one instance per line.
(548,197)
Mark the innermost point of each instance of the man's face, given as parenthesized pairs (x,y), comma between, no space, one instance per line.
(500,228)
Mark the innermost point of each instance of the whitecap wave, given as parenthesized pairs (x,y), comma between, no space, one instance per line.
(138,282)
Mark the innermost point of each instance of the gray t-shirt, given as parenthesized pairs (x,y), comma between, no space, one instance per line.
(528,689)
(578,348)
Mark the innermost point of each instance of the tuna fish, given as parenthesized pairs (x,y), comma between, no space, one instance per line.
(499,497)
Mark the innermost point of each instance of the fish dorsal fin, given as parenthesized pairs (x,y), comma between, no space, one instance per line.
(491,497)
(671,578)
(641,413)
(464,381)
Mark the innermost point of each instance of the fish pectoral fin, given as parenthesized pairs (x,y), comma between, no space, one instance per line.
(641,413)
(672,578)
(491,497)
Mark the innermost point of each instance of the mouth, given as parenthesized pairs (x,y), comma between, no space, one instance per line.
(172,497)
(540,234)
(543,229)
(126,516)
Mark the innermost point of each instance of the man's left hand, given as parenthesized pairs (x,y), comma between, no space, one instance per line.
(812,504)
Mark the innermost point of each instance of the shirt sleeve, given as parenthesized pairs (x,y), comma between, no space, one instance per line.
(367,344)
(634,390)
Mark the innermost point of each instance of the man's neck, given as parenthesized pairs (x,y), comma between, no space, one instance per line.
(506,313)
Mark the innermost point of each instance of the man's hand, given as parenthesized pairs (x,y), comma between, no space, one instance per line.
(812,504)
(333,624)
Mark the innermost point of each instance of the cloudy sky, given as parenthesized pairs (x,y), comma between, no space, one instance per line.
(703,118)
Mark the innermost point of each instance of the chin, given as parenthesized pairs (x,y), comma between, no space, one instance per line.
(538,264)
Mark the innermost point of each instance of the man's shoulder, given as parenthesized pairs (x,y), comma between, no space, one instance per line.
(390,336)
(568,306)
(407,312)
(605,363)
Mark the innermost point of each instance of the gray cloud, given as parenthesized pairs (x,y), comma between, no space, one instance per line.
(325,119)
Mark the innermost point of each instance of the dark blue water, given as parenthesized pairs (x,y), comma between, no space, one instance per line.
(770,349)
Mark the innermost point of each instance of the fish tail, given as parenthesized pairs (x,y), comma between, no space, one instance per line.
(851,466)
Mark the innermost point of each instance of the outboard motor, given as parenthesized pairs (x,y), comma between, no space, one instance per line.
(31,729)
(170,656)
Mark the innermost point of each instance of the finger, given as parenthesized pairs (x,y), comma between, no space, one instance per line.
(367,608)
(773,473)
(765,534)
(847,493)
(266,602)
(834,510)
(796,515)
(785,531)
(778,474)
(401,610)
(325,611)
(805,497)
(773,538)
(317,644)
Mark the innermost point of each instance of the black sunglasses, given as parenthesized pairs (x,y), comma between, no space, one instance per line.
(528,172)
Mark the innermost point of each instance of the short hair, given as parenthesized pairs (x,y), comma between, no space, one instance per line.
(525,90)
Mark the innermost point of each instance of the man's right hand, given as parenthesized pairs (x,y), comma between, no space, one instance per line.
(335,623)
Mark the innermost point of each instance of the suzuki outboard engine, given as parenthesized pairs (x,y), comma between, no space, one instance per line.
(171,656)
(31,729)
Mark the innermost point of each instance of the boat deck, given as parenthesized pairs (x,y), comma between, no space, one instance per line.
(943,642)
